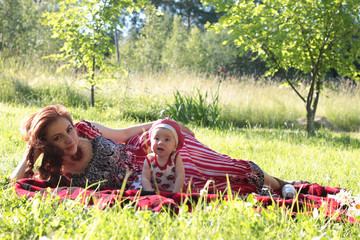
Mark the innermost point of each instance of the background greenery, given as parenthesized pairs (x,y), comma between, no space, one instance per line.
(330,158)
(240,100)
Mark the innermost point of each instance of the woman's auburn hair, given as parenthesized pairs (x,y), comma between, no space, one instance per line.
(33,131)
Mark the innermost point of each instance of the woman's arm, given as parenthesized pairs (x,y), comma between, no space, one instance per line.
(19,171)
(186,130)
(276,183)
(145,177)
(180,175)
(123,134)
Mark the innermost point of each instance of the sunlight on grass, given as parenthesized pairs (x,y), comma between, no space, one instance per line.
(330,158)
(243,100)
(324,159)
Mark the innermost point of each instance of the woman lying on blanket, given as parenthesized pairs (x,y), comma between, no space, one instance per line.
(88,154)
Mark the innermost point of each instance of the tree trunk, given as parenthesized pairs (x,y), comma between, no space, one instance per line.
(117,45)
(310,127)
(92,95)
(310,114)
(93,84)
(312,110)
(188,20)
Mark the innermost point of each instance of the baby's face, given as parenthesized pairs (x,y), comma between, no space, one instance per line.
(163,142)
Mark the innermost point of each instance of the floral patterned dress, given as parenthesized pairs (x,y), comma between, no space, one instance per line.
(110,161)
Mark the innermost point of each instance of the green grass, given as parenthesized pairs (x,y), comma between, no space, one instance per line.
(329,158)
(242,101)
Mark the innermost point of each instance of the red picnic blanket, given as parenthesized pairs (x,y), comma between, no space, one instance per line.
(310,196)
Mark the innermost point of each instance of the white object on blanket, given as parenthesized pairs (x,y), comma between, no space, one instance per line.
(288,191)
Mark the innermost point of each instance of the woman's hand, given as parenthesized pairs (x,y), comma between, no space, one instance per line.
(182,127)
(186,129)
(20,170)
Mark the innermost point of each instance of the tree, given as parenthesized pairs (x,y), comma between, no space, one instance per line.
(196,51)
(20,32)
(312,37)
(146,52)
(193,12)
(174,53)
(217,54)
(87,27)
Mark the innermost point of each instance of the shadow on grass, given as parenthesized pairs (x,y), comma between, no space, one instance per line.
(343,140)
(16,91)
(322,137)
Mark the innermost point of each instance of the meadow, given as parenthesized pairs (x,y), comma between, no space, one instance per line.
(257,111)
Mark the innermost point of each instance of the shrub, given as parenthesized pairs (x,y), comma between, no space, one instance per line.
(196,109)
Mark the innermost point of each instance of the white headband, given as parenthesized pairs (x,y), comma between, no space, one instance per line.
(167,126)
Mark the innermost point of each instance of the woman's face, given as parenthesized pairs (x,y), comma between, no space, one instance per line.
(62,134)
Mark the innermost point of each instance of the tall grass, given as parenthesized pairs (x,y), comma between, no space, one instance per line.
(198,110)
(243,100)
(342,107)
(228,220)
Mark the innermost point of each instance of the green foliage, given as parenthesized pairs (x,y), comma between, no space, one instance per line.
(312,38)
(145,55)
(85,26)
(77,39)
(192,12)
(197,50)
(216,54)
(198,109)
(174,53)
(20,31)
(165,43)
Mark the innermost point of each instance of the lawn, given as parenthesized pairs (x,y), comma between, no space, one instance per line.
(329,159)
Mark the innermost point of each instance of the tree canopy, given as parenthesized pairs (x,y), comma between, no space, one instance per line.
(312,37)
(193,12)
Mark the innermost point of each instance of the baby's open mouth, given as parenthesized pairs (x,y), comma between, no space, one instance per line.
(160,149)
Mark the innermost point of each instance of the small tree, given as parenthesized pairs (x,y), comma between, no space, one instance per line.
(174,53)
(195,50)
(145,52)
(312,37)
(86,28)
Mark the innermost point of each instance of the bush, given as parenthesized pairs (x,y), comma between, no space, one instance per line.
(196,109)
